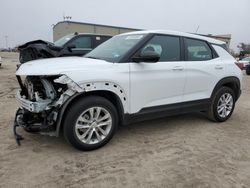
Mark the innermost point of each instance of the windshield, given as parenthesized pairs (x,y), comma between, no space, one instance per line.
(115,48)
(63,40)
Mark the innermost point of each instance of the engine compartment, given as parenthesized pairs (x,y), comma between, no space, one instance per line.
(38,103)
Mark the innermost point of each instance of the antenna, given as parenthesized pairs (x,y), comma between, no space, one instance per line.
(197,29)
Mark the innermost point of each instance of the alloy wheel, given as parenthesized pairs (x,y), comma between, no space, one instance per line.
(225,105)
(93,125)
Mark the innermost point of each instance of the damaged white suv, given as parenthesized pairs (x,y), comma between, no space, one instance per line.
(131,77)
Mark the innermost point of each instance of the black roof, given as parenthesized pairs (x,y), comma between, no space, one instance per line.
(91,34)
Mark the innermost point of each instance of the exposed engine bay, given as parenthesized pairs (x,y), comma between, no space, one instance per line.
(40,99)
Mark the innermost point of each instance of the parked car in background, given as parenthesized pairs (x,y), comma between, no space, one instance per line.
(131,77)
(245,61)
(69,45)
(248,69)
(240,65)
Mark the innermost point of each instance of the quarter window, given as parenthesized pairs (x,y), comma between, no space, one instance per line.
(82,42)
(198,50)
(168,47)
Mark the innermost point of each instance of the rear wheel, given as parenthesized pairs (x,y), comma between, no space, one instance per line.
(90,123)
(222,105)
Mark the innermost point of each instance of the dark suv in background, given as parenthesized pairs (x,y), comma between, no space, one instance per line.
(77,44)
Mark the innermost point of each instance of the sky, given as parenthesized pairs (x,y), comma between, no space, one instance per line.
(25,20)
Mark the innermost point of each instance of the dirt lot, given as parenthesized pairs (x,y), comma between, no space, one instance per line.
(182,151)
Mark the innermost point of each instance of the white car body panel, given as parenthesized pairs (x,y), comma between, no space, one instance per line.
(144,84)
(81,70)
(202,77)
(60,65)
(154,84)
(229,61)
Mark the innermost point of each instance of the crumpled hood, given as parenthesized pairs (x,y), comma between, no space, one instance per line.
(56,66)
(34,42)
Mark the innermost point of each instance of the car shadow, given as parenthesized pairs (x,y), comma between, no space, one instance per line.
(124,132)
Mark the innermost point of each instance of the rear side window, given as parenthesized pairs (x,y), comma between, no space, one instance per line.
(82,42)
(168,47)
(198,50)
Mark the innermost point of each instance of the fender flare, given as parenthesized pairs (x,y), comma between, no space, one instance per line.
(89,87)
(229,80)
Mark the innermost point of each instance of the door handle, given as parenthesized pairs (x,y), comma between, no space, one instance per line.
(178,68)
(218,67)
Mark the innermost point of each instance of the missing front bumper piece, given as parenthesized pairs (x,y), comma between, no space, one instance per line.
(34,107)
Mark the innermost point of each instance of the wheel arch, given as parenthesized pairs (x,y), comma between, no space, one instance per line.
(109,95)
(231,82)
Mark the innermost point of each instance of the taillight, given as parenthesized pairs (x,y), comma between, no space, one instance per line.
(240,65)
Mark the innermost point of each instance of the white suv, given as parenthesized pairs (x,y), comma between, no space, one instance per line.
(131,77)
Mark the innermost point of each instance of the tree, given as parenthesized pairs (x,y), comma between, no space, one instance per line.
(244,48)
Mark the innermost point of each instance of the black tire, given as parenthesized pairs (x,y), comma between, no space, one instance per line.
(248,70)
(213,112)
(76,109)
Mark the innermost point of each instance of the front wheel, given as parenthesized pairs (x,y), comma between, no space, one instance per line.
(222,105)
(90,123)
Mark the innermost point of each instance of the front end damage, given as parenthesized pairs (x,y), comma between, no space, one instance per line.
(40,100)
(38,49)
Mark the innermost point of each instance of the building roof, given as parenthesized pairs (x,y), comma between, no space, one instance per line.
(227,36)
(117,27)
(199,36)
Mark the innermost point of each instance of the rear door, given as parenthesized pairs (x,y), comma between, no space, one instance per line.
(160,83)
(204,69)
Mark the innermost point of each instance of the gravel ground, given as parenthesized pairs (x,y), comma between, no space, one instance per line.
(181,151)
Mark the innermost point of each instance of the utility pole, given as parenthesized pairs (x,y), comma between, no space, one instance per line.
(6,41)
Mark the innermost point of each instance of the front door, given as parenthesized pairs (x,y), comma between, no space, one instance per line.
(160,83)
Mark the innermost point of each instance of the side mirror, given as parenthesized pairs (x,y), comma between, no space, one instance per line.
(70,46)
(147,57)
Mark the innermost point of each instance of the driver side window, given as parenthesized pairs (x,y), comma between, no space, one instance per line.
(168,47)
(153,47)
(82,42)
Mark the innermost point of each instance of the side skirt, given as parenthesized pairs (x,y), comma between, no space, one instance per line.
(166,110)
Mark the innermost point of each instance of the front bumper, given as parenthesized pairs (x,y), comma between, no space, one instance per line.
(34,107)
